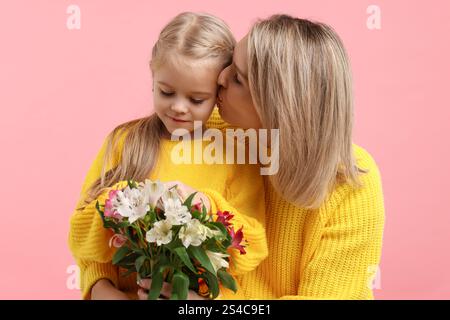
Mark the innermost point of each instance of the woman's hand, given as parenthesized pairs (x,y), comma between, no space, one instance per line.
(166,290)
(185,191)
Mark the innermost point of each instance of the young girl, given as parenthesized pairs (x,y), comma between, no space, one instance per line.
(186,60)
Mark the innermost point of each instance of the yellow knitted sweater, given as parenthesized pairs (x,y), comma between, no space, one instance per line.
(238,188)
(332,252)
(329,253)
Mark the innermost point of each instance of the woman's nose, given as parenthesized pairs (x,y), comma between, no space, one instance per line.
(222,80)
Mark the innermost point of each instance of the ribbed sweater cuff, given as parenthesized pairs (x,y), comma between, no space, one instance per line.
(93,273)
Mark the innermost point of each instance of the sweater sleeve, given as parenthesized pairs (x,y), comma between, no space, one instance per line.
(347,252)
(245,200)
(88,240)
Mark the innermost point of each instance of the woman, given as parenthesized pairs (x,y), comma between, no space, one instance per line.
(325,212)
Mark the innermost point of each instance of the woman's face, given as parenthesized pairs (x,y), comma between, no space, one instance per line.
(234,100)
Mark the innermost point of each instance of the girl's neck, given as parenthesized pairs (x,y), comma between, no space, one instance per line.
(168,136)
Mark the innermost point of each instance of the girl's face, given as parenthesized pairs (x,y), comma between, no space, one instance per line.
(184,92)
(234,99)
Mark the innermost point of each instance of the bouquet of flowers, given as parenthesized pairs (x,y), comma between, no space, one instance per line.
(162,237)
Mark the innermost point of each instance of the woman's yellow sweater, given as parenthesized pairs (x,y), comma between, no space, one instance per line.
(329,253)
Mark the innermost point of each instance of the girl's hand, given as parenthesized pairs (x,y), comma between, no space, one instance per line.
(185,191)
(166,290)
(105,290)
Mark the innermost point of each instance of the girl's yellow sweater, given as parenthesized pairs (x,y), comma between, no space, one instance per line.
(329,253)
(238,188)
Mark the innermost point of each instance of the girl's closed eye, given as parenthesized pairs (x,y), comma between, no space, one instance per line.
(166,93)
(197,101)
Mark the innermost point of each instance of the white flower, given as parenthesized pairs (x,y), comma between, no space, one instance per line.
(212,233)
(175,212)
(168,194)
(193,233)
(152,191)
(161,233)
(130,203)
(217,259)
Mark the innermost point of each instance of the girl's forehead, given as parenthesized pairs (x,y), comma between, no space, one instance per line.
(189,76)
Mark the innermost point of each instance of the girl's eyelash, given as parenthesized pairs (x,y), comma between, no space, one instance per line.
(167,94)
(194,101)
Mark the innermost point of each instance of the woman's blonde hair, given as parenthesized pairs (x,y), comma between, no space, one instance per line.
(191,35)
(300,81)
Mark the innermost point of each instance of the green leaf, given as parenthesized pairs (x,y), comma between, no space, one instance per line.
(175,243)
(180,286)
(219,226)
(157,282)
(204,212)
(196,215)
(100,212)
(120,254)
(212,245)
(213,284)
(200,254)
(227,280)
(188,201)
(182,253)
(139,263)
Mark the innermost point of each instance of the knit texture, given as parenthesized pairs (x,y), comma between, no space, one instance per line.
(328,253)
(230,187)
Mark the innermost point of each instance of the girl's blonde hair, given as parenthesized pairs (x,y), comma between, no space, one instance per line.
(191,35)
(300,81)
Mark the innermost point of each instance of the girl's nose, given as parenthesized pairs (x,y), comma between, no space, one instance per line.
(179,107)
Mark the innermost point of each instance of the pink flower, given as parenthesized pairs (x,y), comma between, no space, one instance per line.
(224,218)
(110,211)
(117,240)
(237,239)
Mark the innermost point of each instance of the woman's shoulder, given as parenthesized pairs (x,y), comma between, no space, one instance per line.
(365,160)
(369,192)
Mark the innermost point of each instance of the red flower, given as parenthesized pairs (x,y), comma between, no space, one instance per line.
(237,239)
(197,207)
(224,218)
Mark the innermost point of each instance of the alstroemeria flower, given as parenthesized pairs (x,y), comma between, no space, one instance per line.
(131,203)
(161,233)
(117,240)
(175,212)
(197,207)
(224,218)
(237,239)
(193,233)
(152,191)
(110,211)
(217,259)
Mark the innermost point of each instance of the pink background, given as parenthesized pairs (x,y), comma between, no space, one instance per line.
(62,91)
